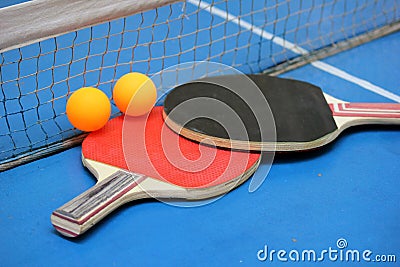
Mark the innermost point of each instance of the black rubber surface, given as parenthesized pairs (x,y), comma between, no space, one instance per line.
(299,109)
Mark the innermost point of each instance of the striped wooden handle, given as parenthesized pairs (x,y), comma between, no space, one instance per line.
(370,110)
(82,212)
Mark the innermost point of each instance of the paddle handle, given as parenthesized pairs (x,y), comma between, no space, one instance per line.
(366,110)
(82,212)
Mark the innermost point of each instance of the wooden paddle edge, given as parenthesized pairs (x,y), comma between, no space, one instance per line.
(149,188)
(341,122)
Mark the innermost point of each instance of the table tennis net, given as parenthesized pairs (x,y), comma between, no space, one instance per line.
(44,60)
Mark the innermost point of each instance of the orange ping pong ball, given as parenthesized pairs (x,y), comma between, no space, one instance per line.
(134,94)
(88,109)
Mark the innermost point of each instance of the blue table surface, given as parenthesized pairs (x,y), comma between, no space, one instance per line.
(348,189)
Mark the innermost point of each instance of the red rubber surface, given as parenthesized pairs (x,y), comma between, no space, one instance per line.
(149,147)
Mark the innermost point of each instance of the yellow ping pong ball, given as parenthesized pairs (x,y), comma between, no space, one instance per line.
(88,109)
(134,94)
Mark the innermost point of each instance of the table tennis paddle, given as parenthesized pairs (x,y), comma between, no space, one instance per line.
(302,115)
(139,157)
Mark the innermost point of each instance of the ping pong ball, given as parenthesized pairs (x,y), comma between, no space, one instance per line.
(134,94)
(88,109)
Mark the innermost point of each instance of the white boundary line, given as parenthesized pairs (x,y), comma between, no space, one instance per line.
(295,49)
(353,79)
